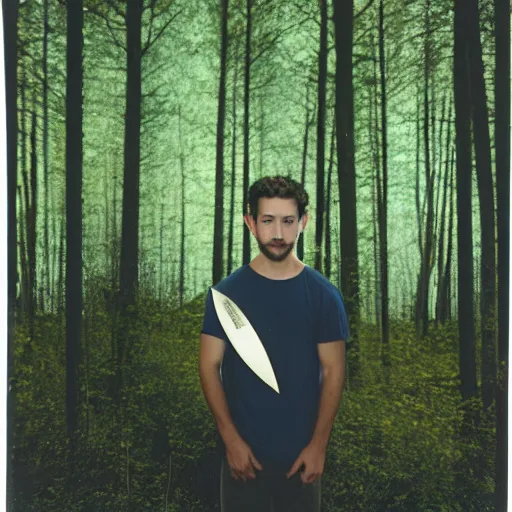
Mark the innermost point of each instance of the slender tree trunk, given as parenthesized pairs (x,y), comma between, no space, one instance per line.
(32,231)
(129,268)
(10,23)
(480,119)
(161,259)
(467,361)
(246,254)
(383,199)
(376,186)
(45,275)
(447,279)
(309,122)
(422,307)
(441,303)
(328,235)
(183,214)
(73,220)
(320,136)
(233,164)
(502,138)
(218,237)
(343,16)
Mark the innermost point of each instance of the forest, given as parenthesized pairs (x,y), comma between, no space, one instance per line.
(134,129)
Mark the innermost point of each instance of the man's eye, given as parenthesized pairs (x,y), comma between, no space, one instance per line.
(289,221)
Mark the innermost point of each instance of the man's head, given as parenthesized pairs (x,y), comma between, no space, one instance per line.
(275,212)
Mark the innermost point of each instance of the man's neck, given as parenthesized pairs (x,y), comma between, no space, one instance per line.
(278,270)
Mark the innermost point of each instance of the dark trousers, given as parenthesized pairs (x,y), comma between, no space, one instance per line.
(270,491)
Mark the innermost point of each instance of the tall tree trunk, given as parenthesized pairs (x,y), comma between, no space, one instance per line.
(32,229)
(328,234)
(161,257)
(73,220)
(309,122)
(440,302)
(383,199)
(45,275)
(422,306)
(183,216)
(467,361)
(129,268)
(320,136)
(502,138)
(246,252)
(446,307)
(218,236)
(343,15)
(233,164)
(373,132)
(10,24)
(480,119)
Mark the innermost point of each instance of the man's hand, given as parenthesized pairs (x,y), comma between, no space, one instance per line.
(313,458)
(241,460)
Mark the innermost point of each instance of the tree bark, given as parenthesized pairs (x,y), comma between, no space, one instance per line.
(129,267)
(10,24)
(233,165)
(218,236)
(467,361)
(422,305)
(309,122)
(328,235)
(32,225)
(45,274)
(74,112)
(183,214)
(343,15)
(382,200)
(502,138)
(246,251)
(320,136)
(441,303)
(480,119)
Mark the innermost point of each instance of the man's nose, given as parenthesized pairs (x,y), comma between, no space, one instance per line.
(277,231)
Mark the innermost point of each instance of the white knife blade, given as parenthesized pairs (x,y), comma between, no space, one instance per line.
(244,339)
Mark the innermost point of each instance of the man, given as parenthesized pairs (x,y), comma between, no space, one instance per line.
(276,442)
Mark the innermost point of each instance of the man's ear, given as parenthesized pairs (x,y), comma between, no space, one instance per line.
(303,222)
(249,222)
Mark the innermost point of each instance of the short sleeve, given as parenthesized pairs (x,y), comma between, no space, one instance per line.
(332,323)
(211,323)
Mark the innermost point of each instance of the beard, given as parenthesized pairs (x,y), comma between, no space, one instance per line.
(275,254)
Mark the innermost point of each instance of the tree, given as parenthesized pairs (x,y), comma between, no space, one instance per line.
(10,25)
(320,136)
(426,250)
(343,13)
(382,191)
(482,143)
(218,235)
(502,138)
(246,251)
(467,362)
(74,114)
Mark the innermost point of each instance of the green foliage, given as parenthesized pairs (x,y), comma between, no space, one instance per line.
(402,440)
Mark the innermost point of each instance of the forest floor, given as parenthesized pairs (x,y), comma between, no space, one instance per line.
(401,440)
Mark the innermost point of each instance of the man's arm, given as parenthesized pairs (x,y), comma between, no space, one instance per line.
(211,353)
(332,360)
(239,455)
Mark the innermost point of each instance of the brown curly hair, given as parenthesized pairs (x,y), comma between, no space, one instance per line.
(283,187)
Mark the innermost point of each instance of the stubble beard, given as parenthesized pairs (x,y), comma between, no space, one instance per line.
(275,256)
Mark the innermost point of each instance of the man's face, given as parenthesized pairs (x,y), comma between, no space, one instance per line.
(277,227)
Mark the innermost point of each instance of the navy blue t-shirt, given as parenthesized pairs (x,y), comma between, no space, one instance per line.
(290,317)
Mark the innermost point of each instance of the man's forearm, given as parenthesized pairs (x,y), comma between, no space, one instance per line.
(332,389)
(216,400)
